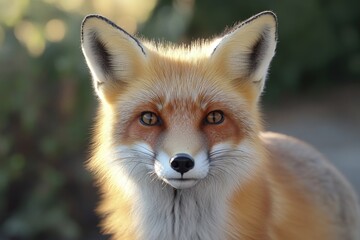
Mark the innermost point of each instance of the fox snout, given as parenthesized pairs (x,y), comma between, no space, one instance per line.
(181,170)
(182,158)
(182,163)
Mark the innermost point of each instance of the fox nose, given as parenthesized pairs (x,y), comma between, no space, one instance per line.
(182,163)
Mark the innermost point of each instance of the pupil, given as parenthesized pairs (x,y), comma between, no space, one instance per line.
(213,117)
(150,118)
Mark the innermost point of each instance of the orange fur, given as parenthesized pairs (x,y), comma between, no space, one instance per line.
(274,207)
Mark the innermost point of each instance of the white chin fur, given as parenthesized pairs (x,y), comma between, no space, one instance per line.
(181,183)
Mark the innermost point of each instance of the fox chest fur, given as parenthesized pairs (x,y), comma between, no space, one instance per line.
(179,152)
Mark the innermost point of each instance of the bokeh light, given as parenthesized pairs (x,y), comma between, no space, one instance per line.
(67,5)
(12,11)
(30,36)
(128,14)
(55,30)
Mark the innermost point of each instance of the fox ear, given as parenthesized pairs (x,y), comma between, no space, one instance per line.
(246,51)
(112,54)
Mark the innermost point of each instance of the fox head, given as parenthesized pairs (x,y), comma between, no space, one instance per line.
(181,116)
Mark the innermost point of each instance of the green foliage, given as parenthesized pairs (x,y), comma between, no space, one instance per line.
(45,113)
(47,102)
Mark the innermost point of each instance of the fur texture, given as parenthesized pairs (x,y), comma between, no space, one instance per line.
(159,101)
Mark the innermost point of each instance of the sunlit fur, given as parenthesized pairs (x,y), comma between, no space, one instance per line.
(245,184)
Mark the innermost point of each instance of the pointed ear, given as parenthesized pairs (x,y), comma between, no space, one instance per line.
(113,55)
(246,51)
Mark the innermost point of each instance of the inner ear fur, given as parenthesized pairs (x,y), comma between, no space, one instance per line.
(246,51)
(112,54)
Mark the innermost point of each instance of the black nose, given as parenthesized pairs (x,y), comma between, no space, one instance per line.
(182,163)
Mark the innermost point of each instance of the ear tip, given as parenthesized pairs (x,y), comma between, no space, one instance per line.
(275,21)
(271,19)
(269,14)
(92,17)
(85,22)
(95,19)
(89,16)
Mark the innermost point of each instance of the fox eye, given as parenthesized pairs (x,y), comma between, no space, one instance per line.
(214,117)
(149,119)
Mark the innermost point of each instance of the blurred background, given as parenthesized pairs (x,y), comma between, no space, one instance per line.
(47,103)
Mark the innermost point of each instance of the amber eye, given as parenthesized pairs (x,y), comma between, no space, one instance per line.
(149,119)
(214,117)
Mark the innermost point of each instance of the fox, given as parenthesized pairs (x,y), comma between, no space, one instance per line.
(179,149)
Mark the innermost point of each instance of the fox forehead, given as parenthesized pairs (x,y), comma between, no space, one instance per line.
(180,92)
(181,80)
(176,72)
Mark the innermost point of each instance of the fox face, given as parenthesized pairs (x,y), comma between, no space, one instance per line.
(180,116)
